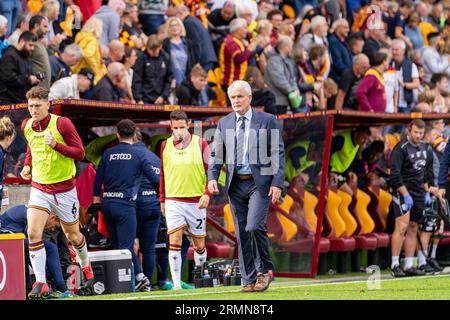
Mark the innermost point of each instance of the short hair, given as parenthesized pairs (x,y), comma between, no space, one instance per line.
(153,42)
(437,77)
(353,38)
(359,57)
(126,128)
(240,84)
(274,12)
(418,123)
(35,21)
(363,129)
(37,93)
(7,128)
(377,146)
(316,51)
(316,21)
(115,68)
(331,86)
(74,50)
(198,71)
(433,35)
(23,17)
(28,36)
(338,22)
(406,3)
(400,42)
(181,8)
(241,9)
(237,24)
(283,41)
(178,115)
(378,58)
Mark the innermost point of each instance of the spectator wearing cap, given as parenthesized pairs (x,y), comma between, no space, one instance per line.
(109,13)
(3,30)
(88,40)
(15,70)
(22,26)
(41,62)
(318,35)
(341,55)
(152,76)
(370,93)
(180,49)
(432,61)
(71,87)
(112,87)
(188,93)
(199,36)
(234,55)
(61,63)
(219,23)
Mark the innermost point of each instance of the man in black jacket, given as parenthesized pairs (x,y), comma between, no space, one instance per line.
(411,178)
(152,75)
(189,91)
(15,70)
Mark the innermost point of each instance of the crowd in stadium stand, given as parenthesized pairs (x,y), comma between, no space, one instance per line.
(298,56)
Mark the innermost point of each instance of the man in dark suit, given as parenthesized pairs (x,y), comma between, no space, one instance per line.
(250,144)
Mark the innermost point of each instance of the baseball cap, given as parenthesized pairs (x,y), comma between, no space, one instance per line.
(87,73)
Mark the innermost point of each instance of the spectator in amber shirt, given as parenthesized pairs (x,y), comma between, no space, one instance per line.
(370,93)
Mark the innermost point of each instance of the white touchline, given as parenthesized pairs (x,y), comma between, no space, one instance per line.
(276,286)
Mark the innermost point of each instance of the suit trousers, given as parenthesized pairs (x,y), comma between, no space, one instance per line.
(250,209)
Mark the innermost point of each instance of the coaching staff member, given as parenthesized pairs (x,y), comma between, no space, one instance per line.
(250,144)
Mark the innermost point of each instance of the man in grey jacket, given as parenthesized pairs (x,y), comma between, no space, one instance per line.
(432,61)
(282,76)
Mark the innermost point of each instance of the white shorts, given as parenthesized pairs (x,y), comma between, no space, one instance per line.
(182,215)
(65,205)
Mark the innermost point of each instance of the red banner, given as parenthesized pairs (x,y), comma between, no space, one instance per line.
(12,267)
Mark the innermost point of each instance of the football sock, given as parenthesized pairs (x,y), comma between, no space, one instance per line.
(38,258)
(175,265)
(200,257)
(395,261)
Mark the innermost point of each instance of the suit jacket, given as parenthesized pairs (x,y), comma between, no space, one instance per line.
(266,151)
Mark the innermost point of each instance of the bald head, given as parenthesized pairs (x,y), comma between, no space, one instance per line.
(116,72)
(361,64)
(116,50)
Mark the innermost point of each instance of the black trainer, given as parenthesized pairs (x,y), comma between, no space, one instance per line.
(144,283)
(87,289)
(427,268)
(412,272)
(434,264)
(397,272)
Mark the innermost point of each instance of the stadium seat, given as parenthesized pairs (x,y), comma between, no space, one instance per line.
(350,222)
(228,218)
